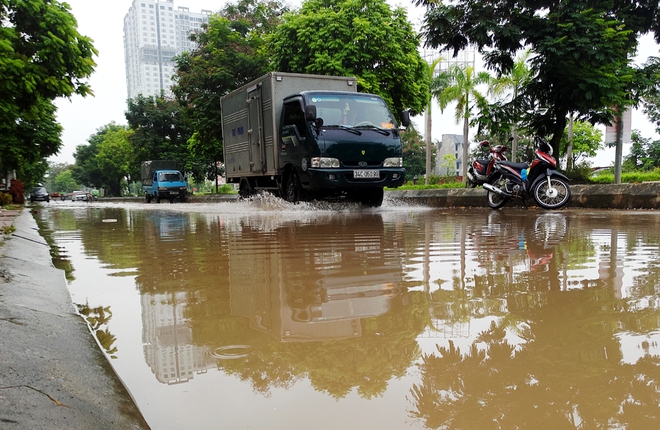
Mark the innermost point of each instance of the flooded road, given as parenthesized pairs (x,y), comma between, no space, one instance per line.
(265,315)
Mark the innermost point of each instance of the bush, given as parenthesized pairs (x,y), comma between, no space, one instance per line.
(17,191)
(5,199)
(607,177)
(580,173)
(226,189)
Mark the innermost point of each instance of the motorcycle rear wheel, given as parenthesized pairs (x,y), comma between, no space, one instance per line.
(552,198)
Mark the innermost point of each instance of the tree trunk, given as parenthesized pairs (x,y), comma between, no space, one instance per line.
(428,143)
(514,143)
(466,145)
(560,125)
(569,147)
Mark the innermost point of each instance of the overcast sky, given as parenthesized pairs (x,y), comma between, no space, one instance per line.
(103,22)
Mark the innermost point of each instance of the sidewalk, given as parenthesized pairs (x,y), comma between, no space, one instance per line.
(53,375)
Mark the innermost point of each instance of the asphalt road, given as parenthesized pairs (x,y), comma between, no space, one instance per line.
(53,375)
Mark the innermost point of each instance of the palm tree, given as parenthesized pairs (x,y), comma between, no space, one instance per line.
(462,88)
(436,87)
(517,79)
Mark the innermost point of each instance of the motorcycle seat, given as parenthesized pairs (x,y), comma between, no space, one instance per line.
(517,166)
(483,161)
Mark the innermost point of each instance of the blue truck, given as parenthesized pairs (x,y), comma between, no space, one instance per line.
(162,179)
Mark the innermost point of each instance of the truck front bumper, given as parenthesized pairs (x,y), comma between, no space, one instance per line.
(346,178)
(172,192)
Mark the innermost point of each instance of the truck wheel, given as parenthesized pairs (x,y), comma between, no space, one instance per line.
(372,197)
(245,189)
(157,198)
(293,189)
(147,197)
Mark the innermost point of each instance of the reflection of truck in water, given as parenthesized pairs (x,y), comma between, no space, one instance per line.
(302,290)
(161,179)
(307,136)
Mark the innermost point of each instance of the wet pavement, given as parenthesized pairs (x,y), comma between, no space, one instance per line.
(263,314)
(52,373)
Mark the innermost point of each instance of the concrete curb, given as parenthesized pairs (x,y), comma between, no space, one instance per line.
(624,196)
(52,372)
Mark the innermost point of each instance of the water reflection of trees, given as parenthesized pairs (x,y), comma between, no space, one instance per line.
(567,373)
(98,319)
(553,359)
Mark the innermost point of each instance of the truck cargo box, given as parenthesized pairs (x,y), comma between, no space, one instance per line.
(147,168)
(251,118)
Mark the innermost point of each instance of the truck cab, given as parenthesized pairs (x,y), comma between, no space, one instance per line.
(339,143)
(161,181)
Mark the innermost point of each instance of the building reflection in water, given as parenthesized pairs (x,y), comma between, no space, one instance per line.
(167,339)
(287,280)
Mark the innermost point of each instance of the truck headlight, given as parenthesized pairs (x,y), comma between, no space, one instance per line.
(393,162)
(325,163)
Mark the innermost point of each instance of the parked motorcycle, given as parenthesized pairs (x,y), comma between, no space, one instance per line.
(538,180)
(481,171)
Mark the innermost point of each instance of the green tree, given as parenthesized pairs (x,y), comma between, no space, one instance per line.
(160,131)
(581,52)
(513,83)
(115,159)
(230,52)
(414,153)
(86,170)
(64,182)
(644,153)
(651,100)
(463,88)
(54,169)
(587,140)
(361,38)
(42,57)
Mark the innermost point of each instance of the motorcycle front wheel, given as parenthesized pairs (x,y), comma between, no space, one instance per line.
(552,196)
(496,200)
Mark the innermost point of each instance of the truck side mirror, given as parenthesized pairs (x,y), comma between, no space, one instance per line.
(405,118)
(310,113)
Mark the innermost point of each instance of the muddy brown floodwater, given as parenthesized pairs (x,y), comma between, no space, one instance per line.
(265,315)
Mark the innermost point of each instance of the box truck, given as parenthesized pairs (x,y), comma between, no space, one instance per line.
(305,137)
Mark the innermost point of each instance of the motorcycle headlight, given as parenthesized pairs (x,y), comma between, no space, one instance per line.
(393,162)
(325,163)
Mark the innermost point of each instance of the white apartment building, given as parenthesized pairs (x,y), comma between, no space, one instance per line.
(154,33)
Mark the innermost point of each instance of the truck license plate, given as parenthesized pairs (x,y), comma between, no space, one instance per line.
(370,174)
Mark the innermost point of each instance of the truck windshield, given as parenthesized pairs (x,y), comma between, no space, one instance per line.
(170,177)
(352,110)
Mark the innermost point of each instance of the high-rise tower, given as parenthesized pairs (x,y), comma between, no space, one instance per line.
(154,33)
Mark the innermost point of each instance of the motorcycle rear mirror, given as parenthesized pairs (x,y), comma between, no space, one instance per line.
(484,143)
(405,119)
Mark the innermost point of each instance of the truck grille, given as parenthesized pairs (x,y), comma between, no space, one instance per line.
(360,164)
